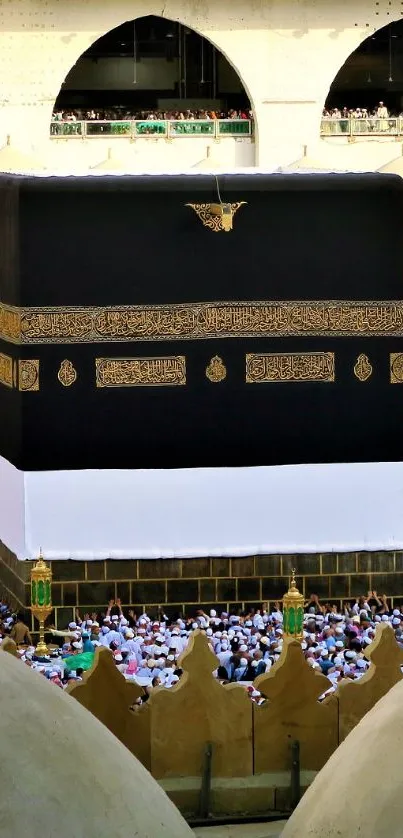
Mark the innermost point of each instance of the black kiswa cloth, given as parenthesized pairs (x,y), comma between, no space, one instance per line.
(132,240)
(113,241)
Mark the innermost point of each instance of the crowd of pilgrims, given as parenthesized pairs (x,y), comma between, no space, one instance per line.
(148,650)
(379,112)
(121,114)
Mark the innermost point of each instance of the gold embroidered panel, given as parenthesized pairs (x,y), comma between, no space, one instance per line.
(201,321)
(396,367)
(67,374)
(213,220)
(10,324)
(28,375)
(140,372)
(6,370)
(290,366)
(363,368)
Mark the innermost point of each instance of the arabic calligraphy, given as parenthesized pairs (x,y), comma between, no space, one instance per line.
(396,367)
(290,366)
(67,374)
(139,372)
(6,370)
(363,368)
(216,370)
(10,324)
(28,375)
(201,321)
(56,325)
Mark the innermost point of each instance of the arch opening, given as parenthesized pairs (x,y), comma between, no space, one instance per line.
(371,79)
(151,68)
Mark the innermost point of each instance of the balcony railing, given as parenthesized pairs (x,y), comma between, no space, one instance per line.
(216,128)
(371,127)
(168,128)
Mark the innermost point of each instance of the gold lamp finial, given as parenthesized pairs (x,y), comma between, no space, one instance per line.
(41,599)
(293,610)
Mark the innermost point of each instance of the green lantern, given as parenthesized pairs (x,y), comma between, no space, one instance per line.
(41,600)
(293,611)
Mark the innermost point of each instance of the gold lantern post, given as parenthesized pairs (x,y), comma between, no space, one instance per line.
(293,611)
(41,600)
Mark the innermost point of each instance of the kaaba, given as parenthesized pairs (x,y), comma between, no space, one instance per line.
(137,332)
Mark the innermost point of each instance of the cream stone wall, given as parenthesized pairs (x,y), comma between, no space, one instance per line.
(287,53)
(148,154)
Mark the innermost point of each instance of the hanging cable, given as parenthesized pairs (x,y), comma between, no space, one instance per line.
(185,82)
(214,63)
(202,62)
(390,54)
(218,190)
(134,54)
(180,60)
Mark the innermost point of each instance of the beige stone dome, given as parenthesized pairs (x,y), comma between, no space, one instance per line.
(63,774)
(14,160)
(359,790)
(394,167)
(208,163)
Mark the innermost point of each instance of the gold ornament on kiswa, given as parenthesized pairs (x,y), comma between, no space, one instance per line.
(67,374)
(28,375)
(396,367)
(363,368)
(216,370)
(217,217)
(6,370)
(289,366)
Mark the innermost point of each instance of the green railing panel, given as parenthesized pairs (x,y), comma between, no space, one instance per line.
(192,128)
(121,128)
(234,127)
(150,127)
(66,129)
(108,129)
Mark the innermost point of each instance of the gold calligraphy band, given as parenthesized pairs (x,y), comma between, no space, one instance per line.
(201,321)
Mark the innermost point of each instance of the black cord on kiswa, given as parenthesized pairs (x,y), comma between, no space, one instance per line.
(218,190)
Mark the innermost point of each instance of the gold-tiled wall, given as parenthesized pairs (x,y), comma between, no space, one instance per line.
(13,577)
(185,584)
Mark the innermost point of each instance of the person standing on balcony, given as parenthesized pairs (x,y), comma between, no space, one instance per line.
(382,115)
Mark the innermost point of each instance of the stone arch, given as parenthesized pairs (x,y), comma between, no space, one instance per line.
(75,45)
(356,37)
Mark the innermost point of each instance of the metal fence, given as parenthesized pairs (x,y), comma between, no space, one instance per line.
(352,127)
(168,128)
